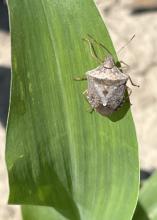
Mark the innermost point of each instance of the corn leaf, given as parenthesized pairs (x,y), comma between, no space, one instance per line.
(147,204)
(83,165)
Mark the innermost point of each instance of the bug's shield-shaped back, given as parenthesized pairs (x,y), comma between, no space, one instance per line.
(106,87)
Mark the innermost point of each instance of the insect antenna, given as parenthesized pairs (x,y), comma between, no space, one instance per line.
(123,47)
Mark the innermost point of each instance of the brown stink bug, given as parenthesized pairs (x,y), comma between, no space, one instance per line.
(106,83)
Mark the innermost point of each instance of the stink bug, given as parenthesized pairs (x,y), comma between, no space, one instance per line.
(106,84)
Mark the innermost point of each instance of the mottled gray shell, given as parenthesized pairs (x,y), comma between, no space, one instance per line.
(106,87)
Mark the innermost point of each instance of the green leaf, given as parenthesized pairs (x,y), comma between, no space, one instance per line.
(147,200)
(83,165)
(140,213)
(40,213)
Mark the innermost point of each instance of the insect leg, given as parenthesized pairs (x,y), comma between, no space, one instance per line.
(93,52)
(85,93)
(91,110)
(121,61)
(125,67)
(122,68)
(132,83)
(80,78)
(99,44)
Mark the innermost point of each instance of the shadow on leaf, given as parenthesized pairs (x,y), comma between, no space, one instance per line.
(140,213)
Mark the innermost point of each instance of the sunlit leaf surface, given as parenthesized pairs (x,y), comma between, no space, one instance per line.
(83,165)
